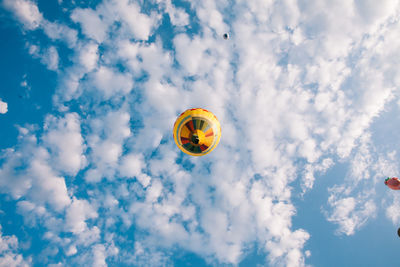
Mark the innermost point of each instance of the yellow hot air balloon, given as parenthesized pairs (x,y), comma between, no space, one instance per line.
(197,131)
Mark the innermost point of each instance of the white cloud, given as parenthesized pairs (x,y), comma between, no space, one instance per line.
(178,16)
(47,187)
(209,14)
(393,210)
(311,169)
(71,251)
(76,215)
(9,255)
(154,191)
(48,57)
(26,12)
(91,23)
(32,213)
(36,181)
(3,107)
(56,31)
(351,213)
(106,151)
(15,185)
(128,13)
(88,56)
(190,54)
(289,244)
(51,58)
(96,24)
(288,17)
(371,12)
(63,138)
(99,259)
(88,237)
(143,255)
(148,58)
(109,82)
(131,165)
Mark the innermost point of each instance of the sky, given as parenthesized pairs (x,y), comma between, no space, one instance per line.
(307,95)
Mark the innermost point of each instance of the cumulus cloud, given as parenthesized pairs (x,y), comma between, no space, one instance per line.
(56,31)
(51,58)
(46,186)
(36,181)
(63,138)
(48,57)
(145,255)
(32,212)
(190,54)
(99,259)
(373,13)
(129,13)
(9,255)
(131,165)
(88,56)
(109,82)
(114,127)
(351,213)
(91,23)
(76,215)
(177,15)
(26,12)
(3,107)
(393,211)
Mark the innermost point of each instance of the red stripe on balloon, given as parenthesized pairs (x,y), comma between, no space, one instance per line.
(190,126)
(184,140)
(209,133)
(203,147)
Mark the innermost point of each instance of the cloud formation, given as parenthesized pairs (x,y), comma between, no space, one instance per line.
(296,88)
(26,12)
(3,107)
(9,252)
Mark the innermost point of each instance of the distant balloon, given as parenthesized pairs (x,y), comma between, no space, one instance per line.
(398,232)
(226,36)
(197,132)
(393,183)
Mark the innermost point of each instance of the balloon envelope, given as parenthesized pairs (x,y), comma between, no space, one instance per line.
(398,232)
(197,131)
(393,183)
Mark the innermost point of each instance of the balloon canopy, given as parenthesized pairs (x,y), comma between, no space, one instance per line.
(197,132)
(393,183)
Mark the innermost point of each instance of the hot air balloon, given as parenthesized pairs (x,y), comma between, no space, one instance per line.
(197,132)
(398,232)
(393,183)
(226,36)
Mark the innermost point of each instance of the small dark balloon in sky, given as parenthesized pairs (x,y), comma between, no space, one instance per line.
(226,36)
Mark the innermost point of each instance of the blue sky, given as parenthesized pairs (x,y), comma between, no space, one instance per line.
(307,94)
